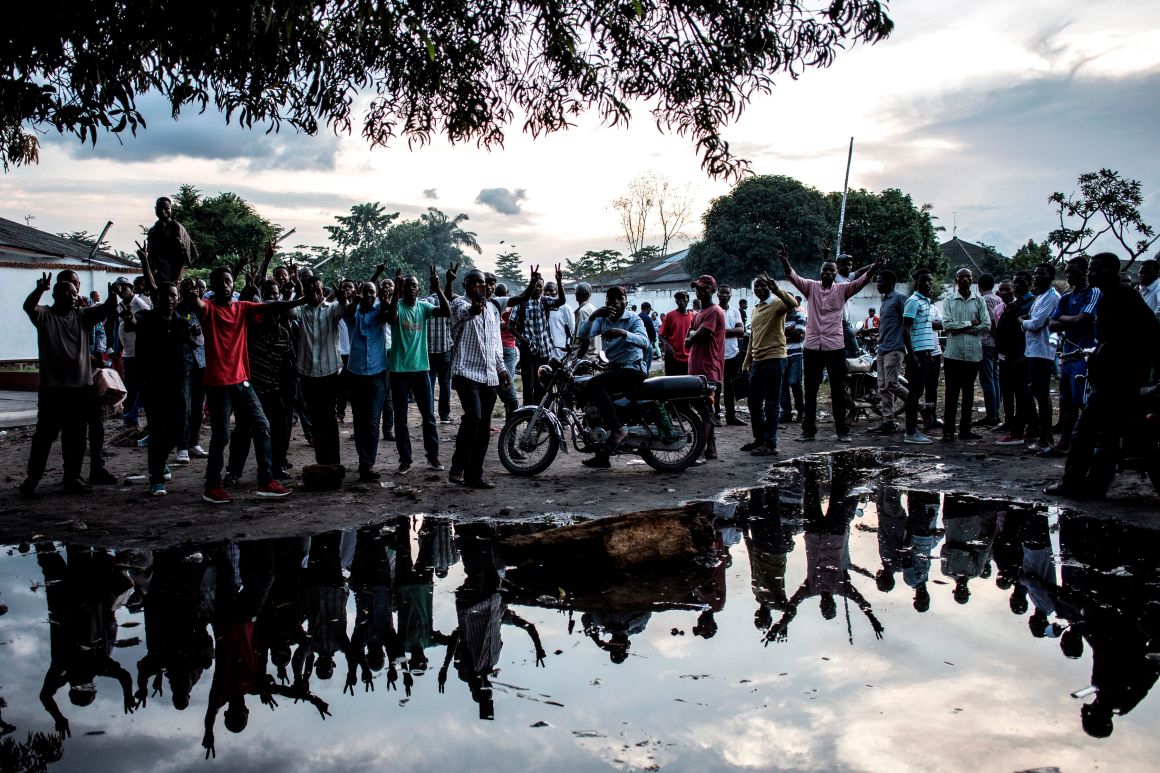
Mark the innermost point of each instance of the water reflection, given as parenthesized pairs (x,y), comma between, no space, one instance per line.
(834,554)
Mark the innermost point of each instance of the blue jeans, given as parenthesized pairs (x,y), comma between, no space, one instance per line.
(194,395)
(989,380)
(242,401)
(792,382)
(765,377)
(508,396)
(440,364)
(418,384)
(366,395)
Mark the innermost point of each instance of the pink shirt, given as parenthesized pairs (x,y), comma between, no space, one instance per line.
(824,324)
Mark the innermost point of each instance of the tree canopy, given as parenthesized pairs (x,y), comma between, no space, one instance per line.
(744,229)
(467,69)
(594,263)
(1106,204)
(222,227)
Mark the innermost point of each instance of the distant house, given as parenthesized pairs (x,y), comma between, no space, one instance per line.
(654,281)
(961,253)
(25,253)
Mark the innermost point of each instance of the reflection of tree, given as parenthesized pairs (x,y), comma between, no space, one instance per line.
(34,755)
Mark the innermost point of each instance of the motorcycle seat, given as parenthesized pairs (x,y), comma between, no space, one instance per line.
(859,364)
(669,388)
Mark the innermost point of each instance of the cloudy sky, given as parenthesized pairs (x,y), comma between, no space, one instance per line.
(980,108)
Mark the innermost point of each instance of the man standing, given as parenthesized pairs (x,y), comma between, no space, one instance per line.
(66,396)
(825,345)
(1127,339)
(1040,351)
(734,332)
(674,328)
(765,360)
(477,369)
(319,363)
(919,339)
(132,302)
(560,321)
(227,382)
(168,244)
(366,379)
(891,350)
(964,320)
(791,383)
(650,327)
(439,352)
(1075,319)
(706,345)
(529,322)
(1149,287)
(1012,345)
(989,366)
(408,364)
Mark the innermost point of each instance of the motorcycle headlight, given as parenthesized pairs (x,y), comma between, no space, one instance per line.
(544,373)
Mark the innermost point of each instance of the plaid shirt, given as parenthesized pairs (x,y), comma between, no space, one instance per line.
(318,339)
(478,351)
(438,331)
(533,318)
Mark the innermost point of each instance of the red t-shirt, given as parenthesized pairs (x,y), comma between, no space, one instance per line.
(707,357)
(507,338)
(227,360)
(674,328)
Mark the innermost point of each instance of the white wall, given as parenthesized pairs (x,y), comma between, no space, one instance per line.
(17,335)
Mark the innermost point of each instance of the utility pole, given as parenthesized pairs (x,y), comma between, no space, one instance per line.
(842,213)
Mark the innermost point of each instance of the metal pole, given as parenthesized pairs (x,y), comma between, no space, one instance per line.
(97,243)
(842,213)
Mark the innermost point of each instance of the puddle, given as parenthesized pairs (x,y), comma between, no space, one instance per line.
(838,622)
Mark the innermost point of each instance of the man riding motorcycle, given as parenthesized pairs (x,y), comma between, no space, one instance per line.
(625,343)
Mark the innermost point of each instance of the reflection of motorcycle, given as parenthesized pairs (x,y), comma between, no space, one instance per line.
(665,418)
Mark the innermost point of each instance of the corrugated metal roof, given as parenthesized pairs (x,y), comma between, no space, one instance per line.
(23,243)
(667,269)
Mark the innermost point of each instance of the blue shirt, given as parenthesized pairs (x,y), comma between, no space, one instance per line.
(1071,303)
(626,351)
(890,322)
(368,351)
(1038,343)
(921,333)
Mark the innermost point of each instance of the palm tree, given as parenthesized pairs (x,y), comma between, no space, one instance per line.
(448,231)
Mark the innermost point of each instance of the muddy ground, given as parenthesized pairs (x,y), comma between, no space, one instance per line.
(124,515)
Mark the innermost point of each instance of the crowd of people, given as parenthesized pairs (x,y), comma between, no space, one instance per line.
(283,347)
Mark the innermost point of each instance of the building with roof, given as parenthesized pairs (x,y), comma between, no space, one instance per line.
(26,253)
(961,253)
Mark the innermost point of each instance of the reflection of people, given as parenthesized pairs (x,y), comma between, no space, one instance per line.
(238,670)
(921,517)
(768,540)
(374,640)
(828,564)
(83,594)
(966,554)
(617,627)
(480,611)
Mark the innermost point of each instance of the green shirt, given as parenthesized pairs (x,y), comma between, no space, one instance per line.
(409,337)
(963,336)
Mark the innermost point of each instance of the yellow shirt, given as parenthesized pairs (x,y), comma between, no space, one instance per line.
(767,328)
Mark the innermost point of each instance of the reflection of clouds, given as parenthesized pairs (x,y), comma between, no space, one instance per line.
(759,741)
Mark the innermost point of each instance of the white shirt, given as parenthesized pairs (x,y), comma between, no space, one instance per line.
(128,339)
(559,322)
(1151,295)
(732,320)
(582,315)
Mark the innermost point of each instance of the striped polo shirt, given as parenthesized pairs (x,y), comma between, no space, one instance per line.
(921,333)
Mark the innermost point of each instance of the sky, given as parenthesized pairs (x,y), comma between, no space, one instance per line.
(981,109)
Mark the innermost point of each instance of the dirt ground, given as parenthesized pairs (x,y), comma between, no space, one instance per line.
(125,516)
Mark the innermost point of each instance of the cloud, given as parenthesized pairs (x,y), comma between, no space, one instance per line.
(206,136)
(502,200)
(430,193)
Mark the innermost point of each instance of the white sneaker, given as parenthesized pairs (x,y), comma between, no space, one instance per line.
(918,438)
(199,452)
(182,457)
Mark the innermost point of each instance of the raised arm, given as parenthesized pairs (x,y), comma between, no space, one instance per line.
(392,312)
(33,298)
(443,309)
(146,267)
(850,289)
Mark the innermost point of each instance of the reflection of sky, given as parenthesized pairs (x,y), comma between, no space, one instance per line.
(959,687)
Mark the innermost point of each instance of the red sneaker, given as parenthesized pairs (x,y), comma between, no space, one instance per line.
(273,489)
(216,495)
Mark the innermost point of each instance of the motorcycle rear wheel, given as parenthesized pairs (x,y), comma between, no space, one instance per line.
(686,421)
(532,460)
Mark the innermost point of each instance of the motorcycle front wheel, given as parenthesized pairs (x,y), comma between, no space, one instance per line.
(534,456)
(686,422)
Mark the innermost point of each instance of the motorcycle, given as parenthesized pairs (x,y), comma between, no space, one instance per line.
(665,418)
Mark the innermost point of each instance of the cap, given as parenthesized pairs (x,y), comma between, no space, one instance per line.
(705,281)
(122,281)
(646,305)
